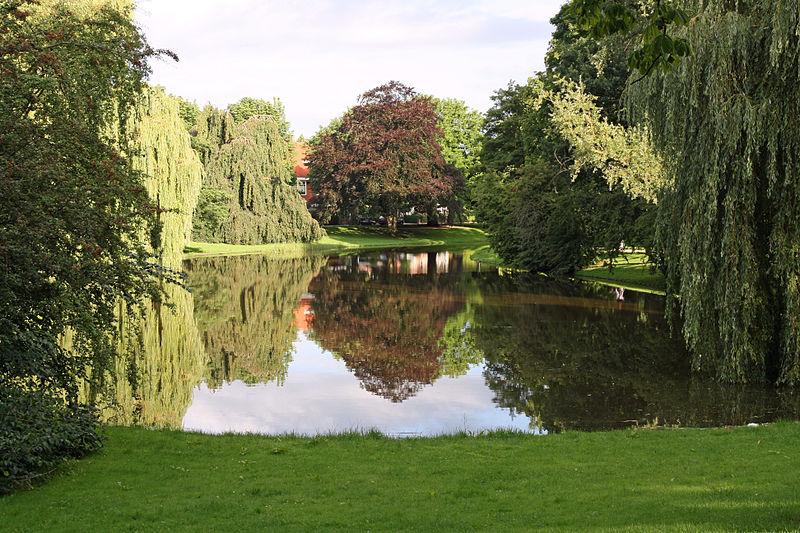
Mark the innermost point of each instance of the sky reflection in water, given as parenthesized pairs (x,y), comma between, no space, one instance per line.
(320,395)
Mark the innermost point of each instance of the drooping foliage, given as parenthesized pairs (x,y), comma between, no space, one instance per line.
(159,354)
(72,213)
(160,359)
(726,123)
(247,195)
(382,158)
(161,149)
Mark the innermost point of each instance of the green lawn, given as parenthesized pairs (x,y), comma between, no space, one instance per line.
(632,270)
(636,480)
(355,238)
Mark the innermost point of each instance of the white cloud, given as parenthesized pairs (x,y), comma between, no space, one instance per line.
(318,55)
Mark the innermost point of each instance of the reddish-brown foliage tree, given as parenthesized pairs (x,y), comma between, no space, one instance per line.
(382,158)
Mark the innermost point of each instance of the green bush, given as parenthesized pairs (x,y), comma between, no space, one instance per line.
(38,432)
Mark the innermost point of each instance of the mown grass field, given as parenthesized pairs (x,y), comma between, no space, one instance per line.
(634,480)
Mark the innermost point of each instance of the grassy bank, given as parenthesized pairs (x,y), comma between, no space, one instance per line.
(355,238)
(633,271)
(643,480)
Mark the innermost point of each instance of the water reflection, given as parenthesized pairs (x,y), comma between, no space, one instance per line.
(418,343)
(385,320)
(245,309)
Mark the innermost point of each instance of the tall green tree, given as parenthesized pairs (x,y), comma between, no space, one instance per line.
(251,107)
(72,214)
(247,195)
(560,185)
(461,138)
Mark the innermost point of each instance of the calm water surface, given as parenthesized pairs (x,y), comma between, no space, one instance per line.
(415,343)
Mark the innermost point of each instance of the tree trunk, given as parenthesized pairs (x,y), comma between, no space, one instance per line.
(433,216)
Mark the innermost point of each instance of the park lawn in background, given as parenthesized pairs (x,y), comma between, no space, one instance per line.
(639,480)
(631,270)
(355,238)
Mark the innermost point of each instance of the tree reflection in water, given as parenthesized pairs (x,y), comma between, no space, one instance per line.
(583,358)
(569,356)
(245,312)
(385,317)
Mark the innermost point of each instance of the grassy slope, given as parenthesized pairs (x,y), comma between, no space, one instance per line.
(645,480)
(633,271)
(354,238)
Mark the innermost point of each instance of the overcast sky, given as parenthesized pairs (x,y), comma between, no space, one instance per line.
(317,56)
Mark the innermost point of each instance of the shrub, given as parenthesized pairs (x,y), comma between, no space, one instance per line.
(38,432)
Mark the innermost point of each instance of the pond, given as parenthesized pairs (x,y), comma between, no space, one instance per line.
(413,343)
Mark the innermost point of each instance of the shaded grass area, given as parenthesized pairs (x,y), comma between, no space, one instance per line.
(637,480)
(632,271)
(355,238)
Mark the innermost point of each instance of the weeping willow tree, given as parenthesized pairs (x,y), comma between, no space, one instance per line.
(726,122)
(160,355)
(247,195)
(162,151)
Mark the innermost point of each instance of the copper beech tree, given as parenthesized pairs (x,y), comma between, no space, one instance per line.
(382,158)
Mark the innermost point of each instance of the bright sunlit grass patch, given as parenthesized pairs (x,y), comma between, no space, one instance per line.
(631,270)
(644,480)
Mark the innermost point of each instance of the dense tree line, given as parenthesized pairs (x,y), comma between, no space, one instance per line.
(101,184)
(547,193)
(669,126)
(719,90)
(638,134)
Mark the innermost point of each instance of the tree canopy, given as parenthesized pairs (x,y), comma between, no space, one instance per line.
(564,182)
(729,226)
(383,158)
(461,149)
(248,195)
(249,107)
